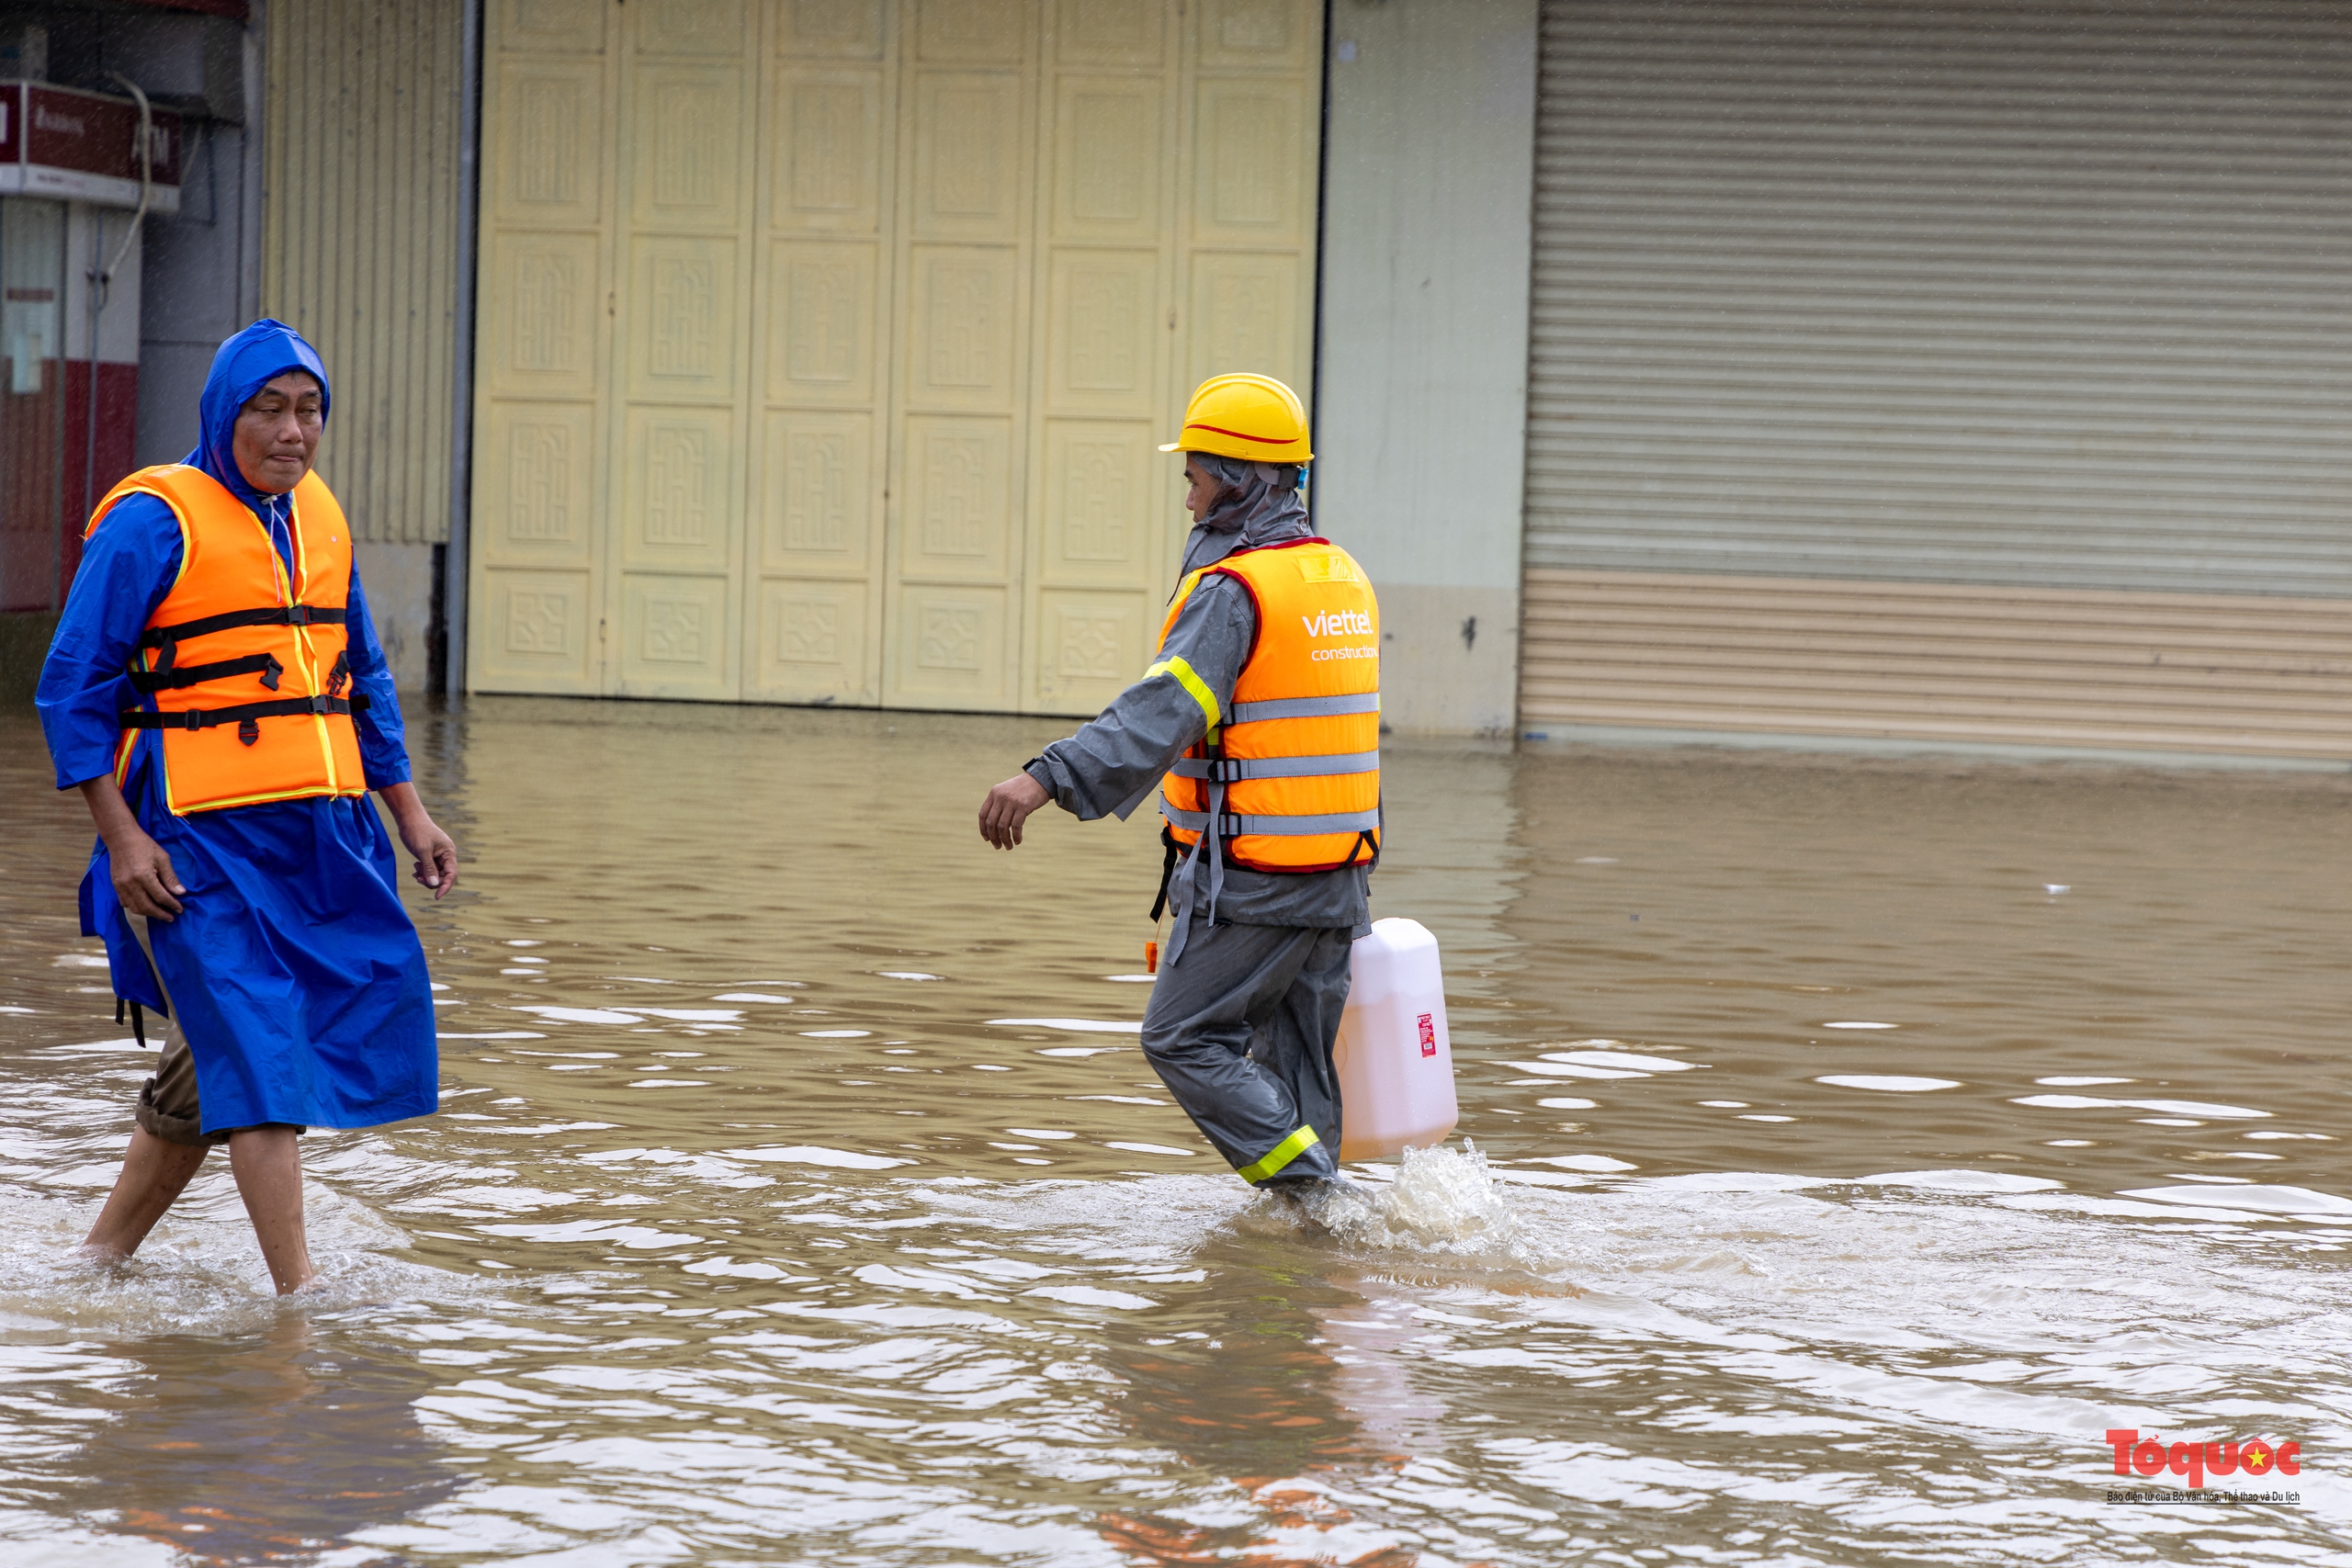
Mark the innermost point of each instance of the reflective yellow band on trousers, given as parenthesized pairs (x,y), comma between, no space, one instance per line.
(1193,683)
(1281,1154)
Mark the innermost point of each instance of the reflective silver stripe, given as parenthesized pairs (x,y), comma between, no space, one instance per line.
(1304,827)
(1276,827)
(1234,769)
(1304,708)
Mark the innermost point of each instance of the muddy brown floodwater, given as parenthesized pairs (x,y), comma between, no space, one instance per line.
(1861,1141)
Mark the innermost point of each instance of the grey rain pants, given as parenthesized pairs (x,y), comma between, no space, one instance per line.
(1240,1031)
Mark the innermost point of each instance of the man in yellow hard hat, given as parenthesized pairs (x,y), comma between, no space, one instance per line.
(1259,722)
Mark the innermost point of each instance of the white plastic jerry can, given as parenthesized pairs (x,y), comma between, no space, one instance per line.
(1395,1060)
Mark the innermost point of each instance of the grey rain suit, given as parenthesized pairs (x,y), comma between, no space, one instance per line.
(1241,1023)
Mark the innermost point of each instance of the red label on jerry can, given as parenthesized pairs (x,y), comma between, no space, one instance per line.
(1429,1035)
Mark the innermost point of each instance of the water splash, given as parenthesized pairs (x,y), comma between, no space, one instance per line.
(1443,1203)
(199,1273)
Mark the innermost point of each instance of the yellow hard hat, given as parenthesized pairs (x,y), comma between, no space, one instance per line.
(1253,417)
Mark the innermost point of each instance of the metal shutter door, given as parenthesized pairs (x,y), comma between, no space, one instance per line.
(359,243)
(2048,301)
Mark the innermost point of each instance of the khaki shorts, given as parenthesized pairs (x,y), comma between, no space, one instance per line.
(167,1102)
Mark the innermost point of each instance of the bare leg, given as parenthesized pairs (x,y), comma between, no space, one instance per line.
(267,1162)
(154,1173)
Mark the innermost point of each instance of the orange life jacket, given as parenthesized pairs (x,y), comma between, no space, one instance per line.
(1293,773)
(246,670)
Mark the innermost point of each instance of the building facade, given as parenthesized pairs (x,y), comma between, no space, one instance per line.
(1896,374)
(126,208)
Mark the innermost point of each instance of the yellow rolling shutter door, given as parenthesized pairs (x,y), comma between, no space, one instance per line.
(825,348)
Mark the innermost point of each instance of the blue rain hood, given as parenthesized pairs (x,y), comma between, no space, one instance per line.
(247,363)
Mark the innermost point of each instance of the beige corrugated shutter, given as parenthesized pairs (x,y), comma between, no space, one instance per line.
(1944,370)
(824,348)
(359,245)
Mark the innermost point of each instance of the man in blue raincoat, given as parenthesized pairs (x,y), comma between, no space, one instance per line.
(216,692)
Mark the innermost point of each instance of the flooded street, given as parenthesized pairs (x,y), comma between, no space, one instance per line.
(1862,1142)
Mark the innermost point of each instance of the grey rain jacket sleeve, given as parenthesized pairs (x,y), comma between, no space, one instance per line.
(1112,766)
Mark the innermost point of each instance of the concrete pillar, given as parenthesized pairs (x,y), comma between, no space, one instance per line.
(399,581)
(1421,423)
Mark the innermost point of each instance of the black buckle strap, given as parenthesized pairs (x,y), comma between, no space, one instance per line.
(164,638)
(228,620)
(169,680)
(206,718)
(1166,871)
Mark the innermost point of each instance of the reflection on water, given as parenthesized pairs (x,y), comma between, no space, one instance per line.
(255,1447)
(1856,1143)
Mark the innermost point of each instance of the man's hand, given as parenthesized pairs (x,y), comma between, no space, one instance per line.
(436,855)
(1009,805)
(143,878)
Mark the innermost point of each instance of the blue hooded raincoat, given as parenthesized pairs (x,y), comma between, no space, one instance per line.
(299,982)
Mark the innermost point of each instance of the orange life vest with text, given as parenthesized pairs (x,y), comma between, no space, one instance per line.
(246,668)
(1292,773)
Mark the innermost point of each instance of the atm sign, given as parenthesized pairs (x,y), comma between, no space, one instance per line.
(62,142)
